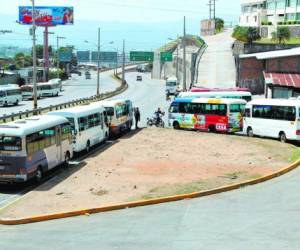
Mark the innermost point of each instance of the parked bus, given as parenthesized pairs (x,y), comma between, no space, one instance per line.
(214,115)
(30,147)
(171,86)
(56,81)
(49,89)
(120,115)
(275,118)
(88,125)
(10,95)
(27,92)
(200,89)
(247,96)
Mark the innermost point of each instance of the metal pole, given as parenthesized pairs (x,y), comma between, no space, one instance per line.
(46,54)
(117,63)
(35,105)
(57,52)
(184,55)
(98,68)
(214,9)
(177,54)
(123,64)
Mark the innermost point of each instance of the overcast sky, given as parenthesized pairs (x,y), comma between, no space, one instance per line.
(144,23)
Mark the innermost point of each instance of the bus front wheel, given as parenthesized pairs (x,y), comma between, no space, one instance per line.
(176,125)
(88,146)
(39,175)
(67,159)
(250,132)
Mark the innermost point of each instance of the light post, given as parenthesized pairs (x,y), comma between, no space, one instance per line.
(57,52)
(177,55)
(34,57)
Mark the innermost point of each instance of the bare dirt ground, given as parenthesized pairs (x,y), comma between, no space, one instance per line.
(154,163)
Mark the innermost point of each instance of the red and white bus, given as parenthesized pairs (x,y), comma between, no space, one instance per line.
(214,115)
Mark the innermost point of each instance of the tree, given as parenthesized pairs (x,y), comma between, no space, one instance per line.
(252,35)
(281,35)
(219,22)
(246,34)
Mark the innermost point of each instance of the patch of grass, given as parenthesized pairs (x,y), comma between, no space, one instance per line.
(292,41)
(295,156)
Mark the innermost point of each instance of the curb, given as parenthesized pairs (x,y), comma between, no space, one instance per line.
(41,218)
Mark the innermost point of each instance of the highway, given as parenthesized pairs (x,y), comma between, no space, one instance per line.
(74,88)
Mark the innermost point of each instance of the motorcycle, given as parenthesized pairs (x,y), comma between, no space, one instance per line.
(153,121)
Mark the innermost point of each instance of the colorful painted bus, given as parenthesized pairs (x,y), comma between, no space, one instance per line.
(32,146)
(247,96)
(119,113)
(214,115)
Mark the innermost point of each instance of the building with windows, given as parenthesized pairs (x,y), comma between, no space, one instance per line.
(268,14)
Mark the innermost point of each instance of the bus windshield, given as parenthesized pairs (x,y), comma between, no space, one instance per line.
(10,143)
(171,84)
(2,93)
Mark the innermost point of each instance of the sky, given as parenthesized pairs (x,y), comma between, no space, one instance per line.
(142,23)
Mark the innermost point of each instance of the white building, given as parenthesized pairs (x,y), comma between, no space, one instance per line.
(256,13)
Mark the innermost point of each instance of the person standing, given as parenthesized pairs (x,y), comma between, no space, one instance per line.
(137,116)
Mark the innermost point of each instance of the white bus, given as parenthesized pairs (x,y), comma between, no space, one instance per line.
(30,147)
(10,94)
(119,113)
(275,118)
(49,89)
(88,125)
(171,86)
(56,81)
(27,92)
(247,96)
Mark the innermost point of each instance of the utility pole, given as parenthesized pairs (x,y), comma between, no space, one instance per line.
(46,53)
(98,68)
(177,55)
(210,8)
(57,52)
(184,55)
(123,64)
(214,9)
(34,57)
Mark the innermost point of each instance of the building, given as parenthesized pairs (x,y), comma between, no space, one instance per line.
(275,74)
(268,14)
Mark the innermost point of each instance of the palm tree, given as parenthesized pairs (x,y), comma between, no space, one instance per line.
(281,35)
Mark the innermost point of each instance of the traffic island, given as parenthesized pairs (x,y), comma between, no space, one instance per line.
(153,166)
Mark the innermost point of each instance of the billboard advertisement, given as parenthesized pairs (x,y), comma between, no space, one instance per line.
(47,16)
(83,56)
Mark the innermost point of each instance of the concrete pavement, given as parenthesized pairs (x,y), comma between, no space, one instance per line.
(217,67)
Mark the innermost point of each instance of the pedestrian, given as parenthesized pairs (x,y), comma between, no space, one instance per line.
(137,116)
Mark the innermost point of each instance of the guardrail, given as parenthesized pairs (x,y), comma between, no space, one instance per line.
(77,102)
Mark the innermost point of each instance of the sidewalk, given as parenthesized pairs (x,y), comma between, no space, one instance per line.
(217,68)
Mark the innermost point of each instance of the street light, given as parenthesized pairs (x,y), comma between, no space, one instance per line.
(57,52)
(177,55)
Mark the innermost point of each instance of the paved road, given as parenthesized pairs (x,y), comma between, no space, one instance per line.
(217,68)
(76,87)
(266,216)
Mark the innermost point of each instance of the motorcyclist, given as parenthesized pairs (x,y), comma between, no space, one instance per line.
(158,113)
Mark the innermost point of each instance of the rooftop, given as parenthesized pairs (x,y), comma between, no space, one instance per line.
(273,54)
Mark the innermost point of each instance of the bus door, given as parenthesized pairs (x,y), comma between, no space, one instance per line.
(59,155)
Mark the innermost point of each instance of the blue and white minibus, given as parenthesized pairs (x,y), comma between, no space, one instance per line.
(32,146)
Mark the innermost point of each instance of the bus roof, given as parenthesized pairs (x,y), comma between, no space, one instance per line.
(9,88)
(276,102)
(216,93)
(211,100)
(79,110)
(202,89)
(112,103)
(30,125)
(173,78)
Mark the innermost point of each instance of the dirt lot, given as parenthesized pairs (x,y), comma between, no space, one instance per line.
(154,163)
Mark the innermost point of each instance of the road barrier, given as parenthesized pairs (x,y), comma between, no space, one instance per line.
(77,102)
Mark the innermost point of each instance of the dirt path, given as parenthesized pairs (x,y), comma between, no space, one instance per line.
(155,163)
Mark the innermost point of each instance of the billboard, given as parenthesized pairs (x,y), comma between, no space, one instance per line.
(47,16)
(83,56)
(105,56)
(65,54)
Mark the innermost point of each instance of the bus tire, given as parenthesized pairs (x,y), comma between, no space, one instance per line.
(67,159)
(176,125)
(282,137)
(211,129)
(5,104)
(88,146)
(39,175)
(17,102)
(250,132)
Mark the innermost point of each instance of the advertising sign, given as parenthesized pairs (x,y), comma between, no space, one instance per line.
(105,56)
(47,16)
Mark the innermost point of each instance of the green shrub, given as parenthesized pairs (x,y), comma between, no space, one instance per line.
(280,23)
(246,34)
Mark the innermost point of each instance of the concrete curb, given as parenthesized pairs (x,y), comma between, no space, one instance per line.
(41,218)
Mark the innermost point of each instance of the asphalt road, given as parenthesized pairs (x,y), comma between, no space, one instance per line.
(265,216)
(76,87)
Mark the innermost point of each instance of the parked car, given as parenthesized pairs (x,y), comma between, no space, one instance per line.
(139,78)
